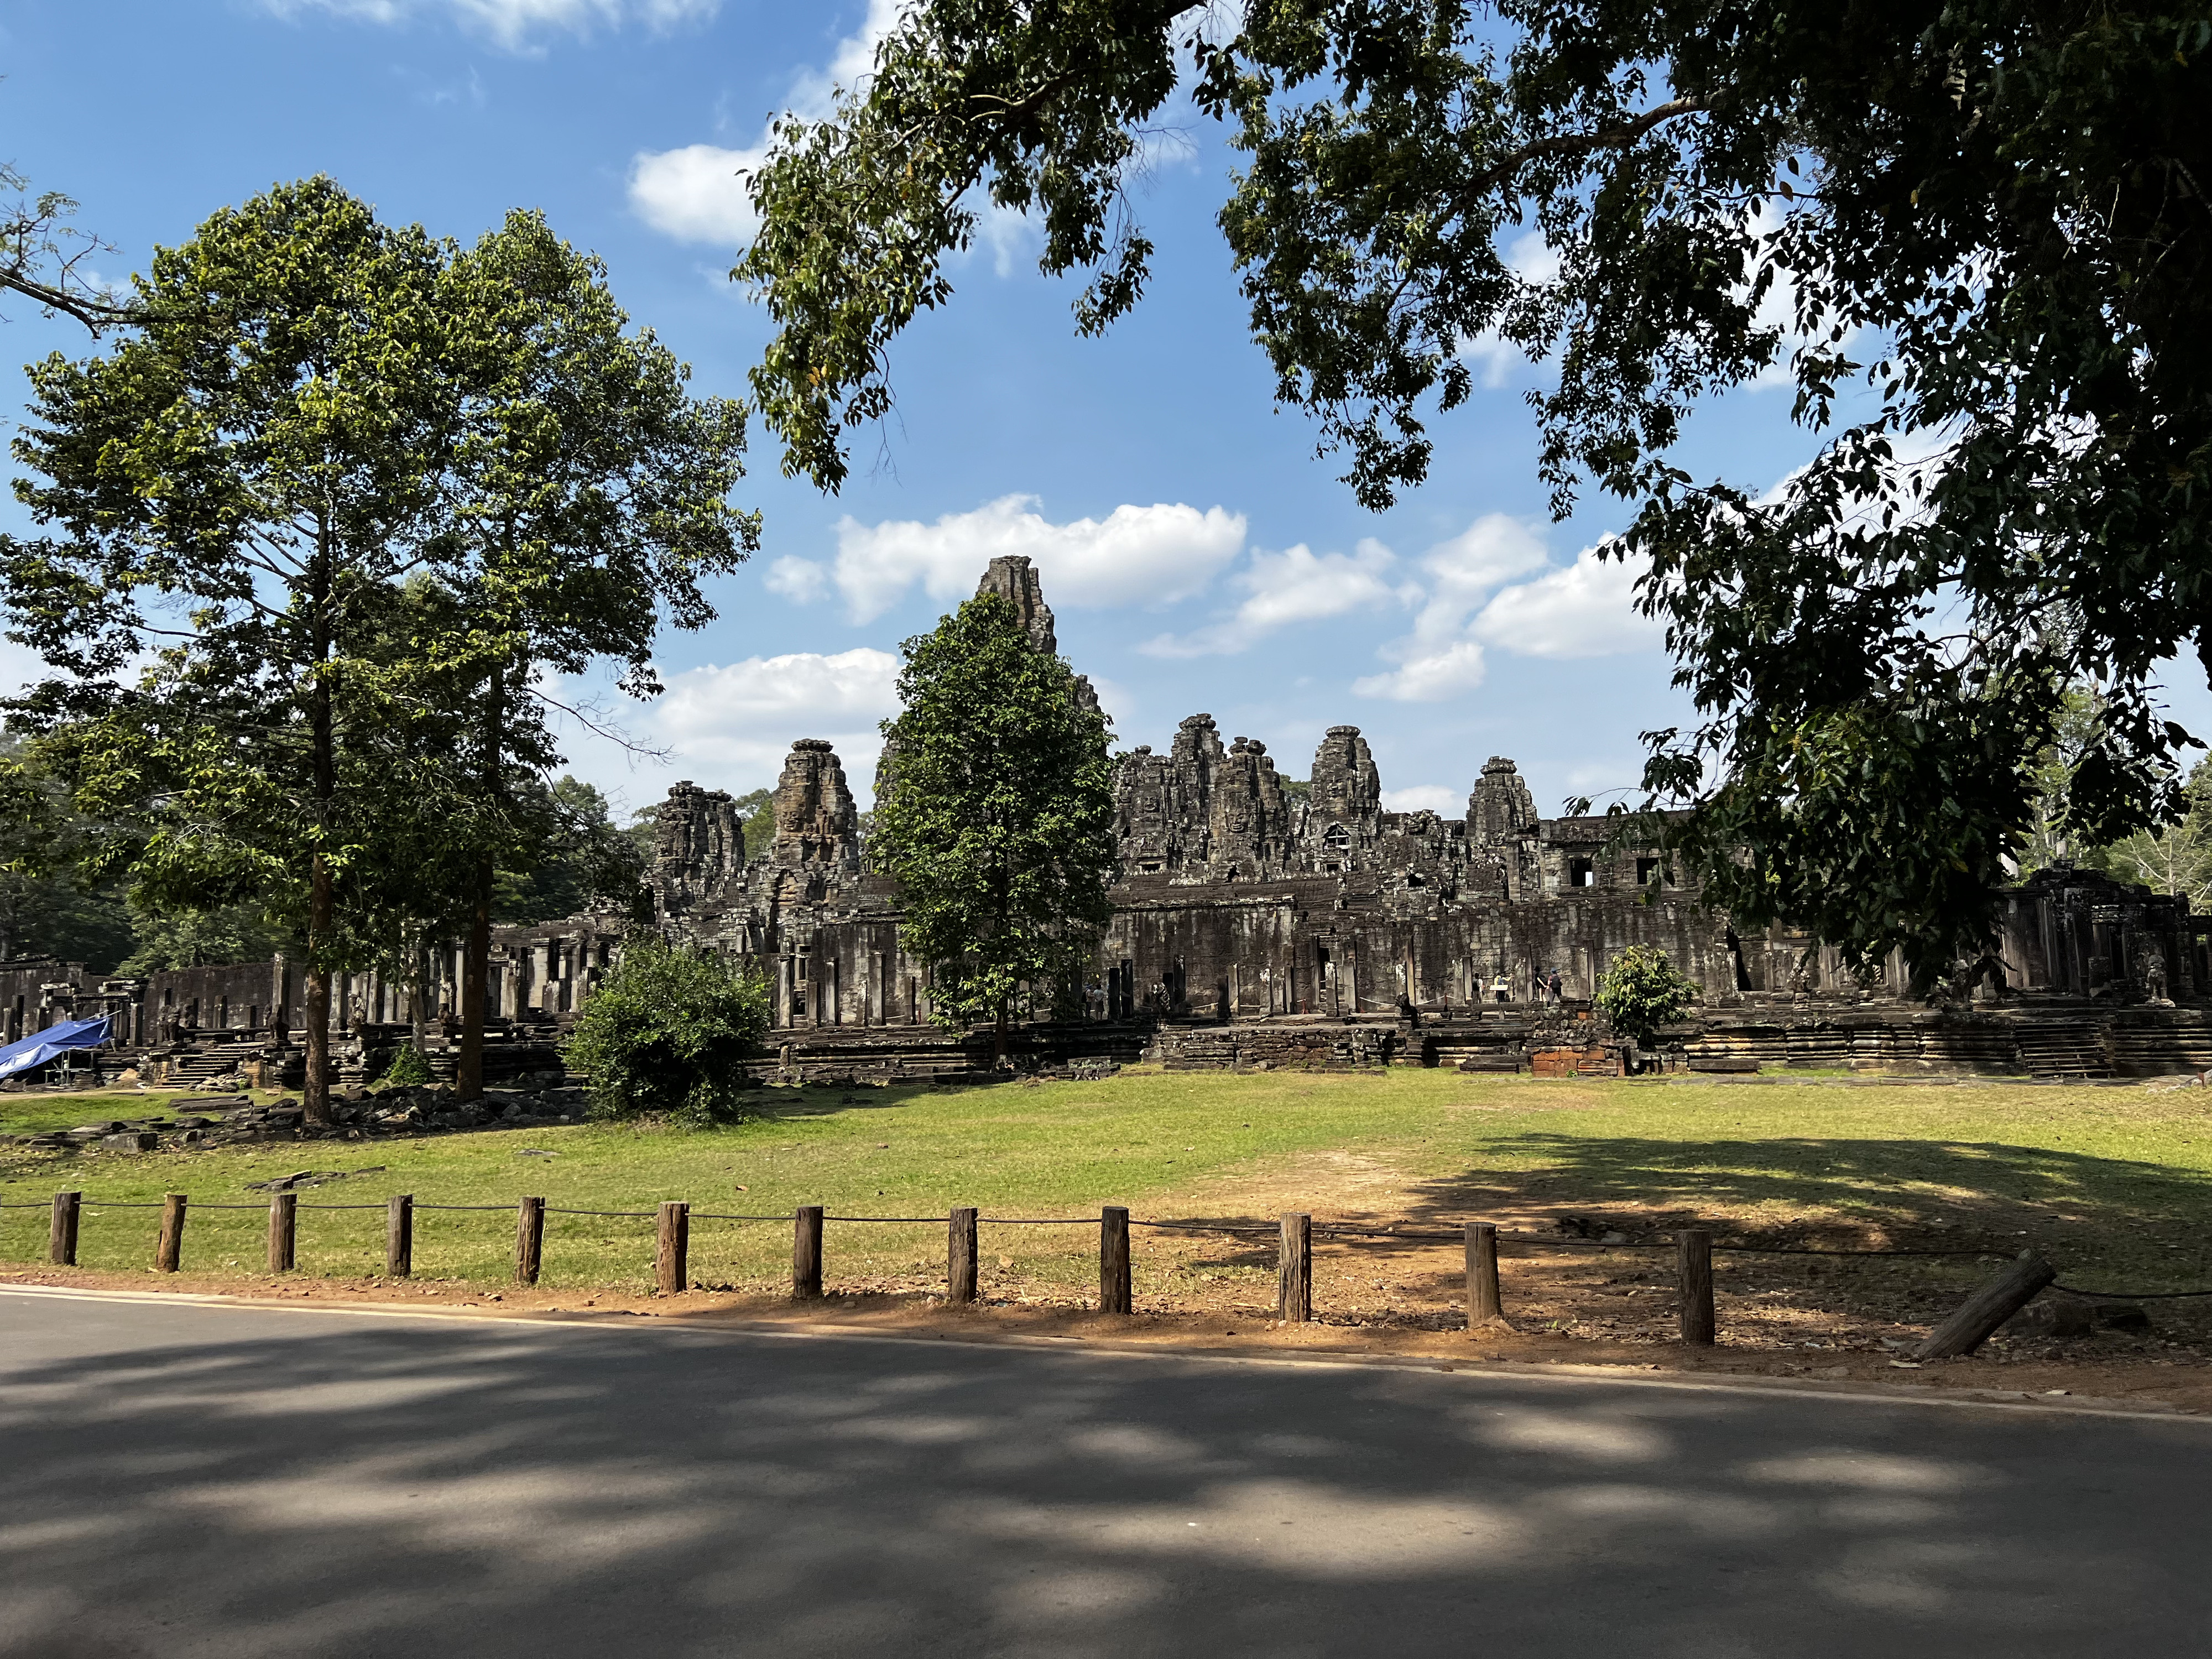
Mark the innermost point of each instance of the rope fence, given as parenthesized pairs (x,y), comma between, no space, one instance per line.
(2023,1277)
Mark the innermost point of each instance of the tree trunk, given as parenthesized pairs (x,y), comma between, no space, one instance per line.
(317,1100)
(321,908)
(476,968)
(475,958)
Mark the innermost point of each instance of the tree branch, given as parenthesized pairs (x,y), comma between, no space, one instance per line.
(94,315)
(1578,144)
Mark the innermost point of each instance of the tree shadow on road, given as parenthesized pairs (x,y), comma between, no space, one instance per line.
(264,1482)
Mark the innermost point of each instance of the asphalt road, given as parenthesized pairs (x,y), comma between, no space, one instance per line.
(184,1480)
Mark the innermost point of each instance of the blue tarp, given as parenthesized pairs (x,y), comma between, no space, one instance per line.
(42,1046)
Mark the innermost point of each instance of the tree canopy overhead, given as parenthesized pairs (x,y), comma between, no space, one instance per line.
(1973,235)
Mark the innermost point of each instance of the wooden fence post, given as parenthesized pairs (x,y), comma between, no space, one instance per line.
(1294,1271)
(529,1240)
(399,1235)
(1988,1308)
(960,1256)
(671,1251)
(1114,1290)
(1483,1306)
(1694,1247)
(283,1230)
(171,1248)
(806,1252)
(61,1230)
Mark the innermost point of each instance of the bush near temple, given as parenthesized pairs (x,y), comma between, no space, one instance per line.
(1641,990)
(668,1032)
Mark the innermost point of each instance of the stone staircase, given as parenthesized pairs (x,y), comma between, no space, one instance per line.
(2063,1051)
(2161,1047)
(205,1060)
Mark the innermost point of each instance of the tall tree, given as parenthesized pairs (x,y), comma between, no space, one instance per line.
(239,488)
(1975,236)
(996,815)
(588,500)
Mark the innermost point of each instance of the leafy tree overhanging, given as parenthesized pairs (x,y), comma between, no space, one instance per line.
(1989,225)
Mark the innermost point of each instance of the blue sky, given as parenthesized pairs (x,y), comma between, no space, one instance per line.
(1197,555)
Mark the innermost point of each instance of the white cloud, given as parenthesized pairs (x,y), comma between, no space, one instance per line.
(514,24)
(1295,585)
(1009,235)
(1431,676)
(1437,659)
(739,720)
(801,580)
(859,682)
(1135,555)
(1585,609)
(1424,798)
(695,194)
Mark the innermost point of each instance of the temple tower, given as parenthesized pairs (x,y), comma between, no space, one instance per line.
(816,821)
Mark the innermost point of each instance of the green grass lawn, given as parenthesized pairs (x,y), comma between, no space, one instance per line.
(2116,1183)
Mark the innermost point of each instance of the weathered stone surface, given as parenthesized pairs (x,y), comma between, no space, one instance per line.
(1013,579)
(1236,899)
(816,821)
(701,845)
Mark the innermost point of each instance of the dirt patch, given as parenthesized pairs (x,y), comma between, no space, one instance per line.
(2140,1375)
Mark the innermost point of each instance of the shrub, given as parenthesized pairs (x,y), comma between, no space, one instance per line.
(408,1069)
(669,1030)
(1641,990)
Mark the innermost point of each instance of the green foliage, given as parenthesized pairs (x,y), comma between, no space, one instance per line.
(1971,238)
(47,907)
(408,1069)
(1641,990)
(996,815)
(2175,860)
(259,461)
(756,808)
(667,1031)
(342,493)
(196,939)
(584,860)
(2050,835)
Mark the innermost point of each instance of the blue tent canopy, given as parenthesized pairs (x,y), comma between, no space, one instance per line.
(42,1046)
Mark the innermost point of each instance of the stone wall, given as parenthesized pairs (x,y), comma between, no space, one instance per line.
(1236,902)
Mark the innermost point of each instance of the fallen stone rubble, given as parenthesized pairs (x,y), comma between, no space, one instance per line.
(534,1103)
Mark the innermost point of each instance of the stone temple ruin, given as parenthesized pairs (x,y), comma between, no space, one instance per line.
(1260,923)
(1257,924)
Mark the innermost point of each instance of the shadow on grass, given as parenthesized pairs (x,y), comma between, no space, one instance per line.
(1913,1185)
(785,1104)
